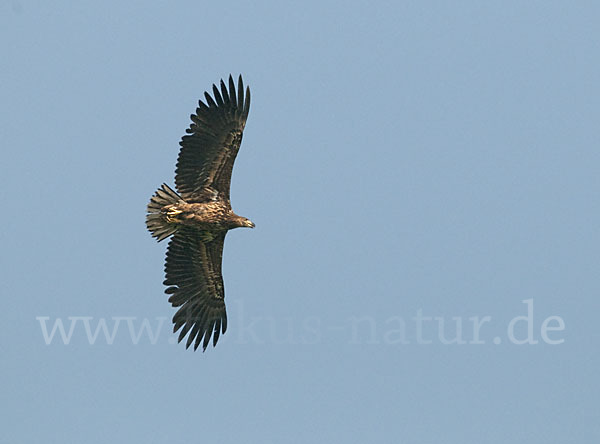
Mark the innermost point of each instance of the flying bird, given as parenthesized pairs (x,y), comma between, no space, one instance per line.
(198,215)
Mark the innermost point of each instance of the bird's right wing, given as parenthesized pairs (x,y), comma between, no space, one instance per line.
(207,154)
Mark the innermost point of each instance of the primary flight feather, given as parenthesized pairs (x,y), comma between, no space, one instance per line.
(199,214)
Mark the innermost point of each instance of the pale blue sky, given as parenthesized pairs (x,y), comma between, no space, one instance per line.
(401,159)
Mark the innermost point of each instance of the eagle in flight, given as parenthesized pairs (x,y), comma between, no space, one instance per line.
(198,215)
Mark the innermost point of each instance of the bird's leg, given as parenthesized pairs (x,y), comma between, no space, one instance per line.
(172,214)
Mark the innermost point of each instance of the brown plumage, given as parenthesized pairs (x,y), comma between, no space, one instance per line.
(199,216)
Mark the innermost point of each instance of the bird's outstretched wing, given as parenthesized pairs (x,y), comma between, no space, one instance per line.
(208,151)
(193,274)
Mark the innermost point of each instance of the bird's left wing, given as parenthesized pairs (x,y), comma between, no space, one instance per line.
(193,274)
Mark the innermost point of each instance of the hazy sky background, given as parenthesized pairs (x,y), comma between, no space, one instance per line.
(439,158)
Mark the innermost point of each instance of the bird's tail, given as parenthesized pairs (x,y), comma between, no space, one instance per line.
(155,218)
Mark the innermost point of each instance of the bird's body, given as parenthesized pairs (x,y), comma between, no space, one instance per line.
(213,216)
(198,216)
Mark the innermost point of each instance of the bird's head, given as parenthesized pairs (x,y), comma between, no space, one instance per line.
(239,221)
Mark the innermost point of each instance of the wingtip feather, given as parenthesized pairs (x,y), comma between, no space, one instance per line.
(217,95)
